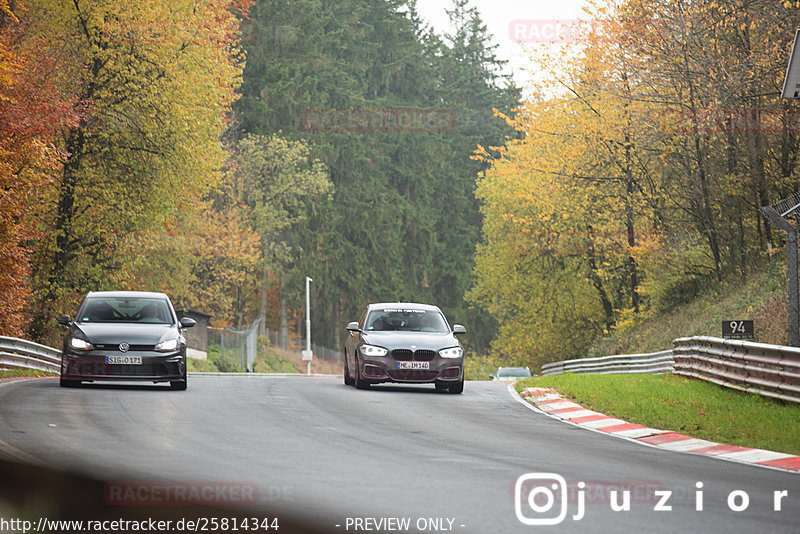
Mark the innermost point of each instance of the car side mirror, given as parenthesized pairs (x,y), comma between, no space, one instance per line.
(458,329)
(64,320)
(353,326)
(187,322)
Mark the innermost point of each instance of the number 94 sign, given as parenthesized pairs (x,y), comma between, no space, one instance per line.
(737,329)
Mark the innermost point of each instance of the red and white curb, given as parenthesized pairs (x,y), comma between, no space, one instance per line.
(550,402)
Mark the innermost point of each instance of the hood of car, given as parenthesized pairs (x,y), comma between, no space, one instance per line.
(133,333)
(404,340)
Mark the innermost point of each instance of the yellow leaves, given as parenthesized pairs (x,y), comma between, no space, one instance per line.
(480,154)
(5,10)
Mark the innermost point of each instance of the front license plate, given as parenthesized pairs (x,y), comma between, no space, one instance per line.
(413,365)
(124,360)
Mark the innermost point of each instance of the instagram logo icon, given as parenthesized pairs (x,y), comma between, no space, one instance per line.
(537,498)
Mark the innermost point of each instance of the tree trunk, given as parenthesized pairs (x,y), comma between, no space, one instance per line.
(630,227)
(337,319)
(597,282)
(63,230)
(262,314)
(708,227)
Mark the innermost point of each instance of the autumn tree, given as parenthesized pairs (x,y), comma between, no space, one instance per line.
(277,181)
(199,258)
(645,154)
(33,108)
(715,71)
(153,81)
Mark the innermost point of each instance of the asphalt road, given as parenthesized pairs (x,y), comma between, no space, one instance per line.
(337,456)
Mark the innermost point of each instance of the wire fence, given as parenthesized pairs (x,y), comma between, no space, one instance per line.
(298,344)
(237,348)
(787,207)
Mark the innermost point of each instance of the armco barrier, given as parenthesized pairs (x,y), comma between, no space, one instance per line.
(656,362)
(768,370)
(18,353)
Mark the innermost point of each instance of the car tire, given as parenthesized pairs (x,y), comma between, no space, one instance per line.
(458,387)
(67,383)
(360,384)
(347,380)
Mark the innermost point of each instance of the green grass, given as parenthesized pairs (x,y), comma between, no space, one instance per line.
(214,363)
(267,360)
(270,361)
(202,366)
(7,373)
(693,407)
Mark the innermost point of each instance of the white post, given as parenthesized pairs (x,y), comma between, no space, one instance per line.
(308,324)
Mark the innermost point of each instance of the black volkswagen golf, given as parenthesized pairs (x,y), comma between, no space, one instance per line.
(125,335)
(404,342)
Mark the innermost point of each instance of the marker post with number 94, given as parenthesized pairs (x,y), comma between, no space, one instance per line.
(738,329)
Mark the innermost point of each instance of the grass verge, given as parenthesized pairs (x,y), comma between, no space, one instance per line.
(269,359)
(10,373)
(693,407)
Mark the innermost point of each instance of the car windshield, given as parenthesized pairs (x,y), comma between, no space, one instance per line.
(513,371)
(406,320)
(125,310)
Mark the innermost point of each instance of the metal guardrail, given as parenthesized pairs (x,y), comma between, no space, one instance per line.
(18,353)
(655,362)
(768,370)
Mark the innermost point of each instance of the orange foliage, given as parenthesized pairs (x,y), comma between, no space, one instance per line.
(32,110)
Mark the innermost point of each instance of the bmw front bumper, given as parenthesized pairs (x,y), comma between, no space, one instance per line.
(408,366)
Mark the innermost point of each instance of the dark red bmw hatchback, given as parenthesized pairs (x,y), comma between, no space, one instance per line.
(404,343)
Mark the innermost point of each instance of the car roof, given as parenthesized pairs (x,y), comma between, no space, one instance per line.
(408,305)
(129,294)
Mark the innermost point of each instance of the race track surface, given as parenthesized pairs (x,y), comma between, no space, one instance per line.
(334,456)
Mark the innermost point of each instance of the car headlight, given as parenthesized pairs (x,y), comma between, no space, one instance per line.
(454,352)
(80,344)
(169,344)
(372,350)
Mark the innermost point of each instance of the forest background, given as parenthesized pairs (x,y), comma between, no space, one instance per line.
(179,148)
